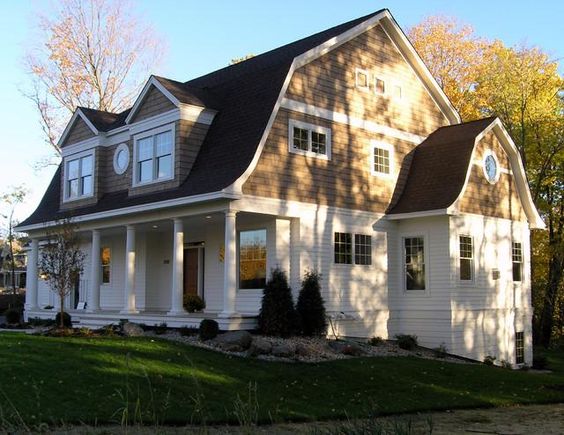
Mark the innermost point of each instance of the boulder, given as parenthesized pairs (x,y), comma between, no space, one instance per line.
(346,347)
(284,350)
(234,341)
(260,346)
(303,350)
(132,330)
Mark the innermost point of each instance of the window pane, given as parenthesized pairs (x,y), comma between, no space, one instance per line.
(145,149)
(361,79)
(343,248)
(86,185)
(318,143)
(164,167)
(381,160)
(122,159)
(252,259)
(414,263)
(164,143)
(300,139)
(86,163)
(145,170)
(105,259)
(517,257)
(379,86)
(73,169)
(517,272)
(519,347)
(465,269)
(72,188)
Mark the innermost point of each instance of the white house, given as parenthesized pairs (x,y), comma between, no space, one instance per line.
(337,152)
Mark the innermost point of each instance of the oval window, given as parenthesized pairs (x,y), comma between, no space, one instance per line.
(121,158)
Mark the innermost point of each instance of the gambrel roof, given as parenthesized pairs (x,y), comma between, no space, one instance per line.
(245,98)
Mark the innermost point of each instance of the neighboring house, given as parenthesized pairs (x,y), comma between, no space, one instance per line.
(338,152)
(9,277)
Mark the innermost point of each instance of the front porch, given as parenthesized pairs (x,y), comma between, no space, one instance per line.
(141,271)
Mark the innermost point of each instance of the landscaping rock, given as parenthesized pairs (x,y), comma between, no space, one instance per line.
(303,350)
(260,346)
(346,347)
(132,330)
(284,350)
(234,341)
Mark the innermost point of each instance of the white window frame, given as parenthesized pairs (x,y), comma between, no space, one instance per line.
(311,128)
(488,153)
(121,148)
(149,133)
(521,263)
(466,282)
(403,281)
(359,86)
(385,146)
(66,161)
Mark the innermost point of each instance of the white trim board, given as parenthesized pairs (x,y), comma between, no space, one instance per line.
(68,128)
(343,118)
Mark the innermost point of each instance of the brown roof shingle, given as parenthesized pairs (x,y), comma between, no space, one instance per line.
(438,168)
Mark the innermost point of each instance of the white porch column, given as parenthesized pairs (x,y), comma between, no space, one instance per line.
(95,271)
(230,266)
(129,291)
(177,303)
(31,277)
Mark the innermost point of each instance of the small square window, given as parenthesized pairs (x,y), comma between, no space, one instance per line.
(343,248)
(379,86)
(362,80)
(381,160)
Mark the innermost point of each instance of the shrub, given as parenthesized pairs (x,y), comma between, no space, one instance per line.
(187,331)
(13,316)
(407,342)
(310,306)
(441,351)
(161,329)
(208,329)
(193,303)
(540,362)
(489,360)
(506,364)
(376,341)
(277,315)
(67,321)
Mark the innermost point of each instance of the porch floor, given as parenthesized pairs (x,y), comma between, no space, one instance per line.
(149,318)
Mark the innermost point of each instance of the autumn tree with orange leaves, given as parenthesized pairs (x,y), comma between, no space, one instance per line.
(90,53)
(521,85)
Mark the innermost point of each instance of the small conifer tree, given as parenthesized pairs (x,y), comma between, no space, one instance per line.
(277,315)
(310,306)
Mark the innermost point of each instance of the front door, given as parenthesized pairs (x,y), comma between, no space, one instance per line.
(192,271)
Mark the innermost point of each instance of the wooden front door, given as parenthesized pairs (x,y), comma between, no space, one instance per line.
(191,270)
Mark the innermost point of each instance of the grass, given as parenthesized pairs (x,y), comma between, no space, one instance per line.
(112,380)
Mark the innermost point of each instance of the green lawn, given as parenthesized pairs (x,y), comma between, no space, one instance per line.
(88,380)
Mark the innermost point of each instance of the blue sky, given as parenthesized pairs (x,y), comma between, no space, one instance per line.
(203,36)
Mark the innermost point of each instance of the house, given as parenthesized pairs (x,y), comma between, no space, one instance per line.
(338,152)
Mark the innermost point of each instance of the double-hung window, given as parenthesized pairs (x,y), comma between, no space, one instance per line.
(517,259)
(414,262)
(466,258)
(154,153)
(79,179)
(520,347)
(310,140)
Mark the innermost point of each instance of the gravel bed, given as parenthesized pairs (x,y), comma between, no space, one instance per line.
(317,348)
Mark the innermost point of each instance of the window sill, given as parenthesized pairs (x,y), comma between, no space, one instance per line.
(152,182)
(77,198)
(310,154)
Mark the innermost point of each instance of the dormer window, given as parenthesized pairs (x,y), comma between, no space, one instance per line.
(154,156)
(79,176)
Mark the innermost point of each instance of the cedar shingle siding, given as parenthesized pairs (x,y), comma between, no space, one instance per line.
(79,132)
(154,103)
